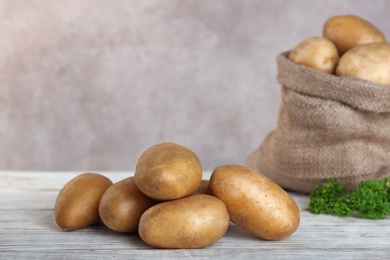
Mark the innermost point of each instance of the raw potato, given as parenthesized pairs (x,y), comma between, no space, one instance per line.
(122,205)
(317,53)
(254,202)
(349,31)
(77,204)
(168,171)
(370,62)
(203,188)
(192,222)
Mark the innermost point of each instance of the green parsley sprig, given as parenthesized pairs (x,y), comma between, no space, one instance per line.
(371,199)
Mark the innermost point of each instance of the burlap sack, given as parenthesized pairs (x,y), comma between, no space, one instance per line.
(328,126)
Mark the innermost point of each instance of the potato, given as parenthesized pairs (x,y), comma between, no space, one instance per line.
(168,171)
(349,31)
(192,222)
(317,53)
(370,62)
(203,188)
(122,205)
(254,202)
(77,204)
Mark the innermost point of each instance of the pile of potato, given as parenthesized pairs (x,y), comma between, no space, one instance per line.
(170,206)
(350,46)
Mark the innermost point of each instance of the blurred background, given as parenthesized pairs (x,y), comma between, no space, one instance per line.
(89,85)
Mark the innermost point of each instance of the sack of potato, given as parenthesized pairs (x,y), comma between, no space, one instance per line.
(334,120)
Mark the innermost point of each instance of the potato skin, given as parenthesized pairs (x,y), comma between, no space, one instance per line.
(317,53)
(77,204)
(122,205)
(369,62)
(168,171)
(203,188)
(192,222)
(349,31)
(254,202)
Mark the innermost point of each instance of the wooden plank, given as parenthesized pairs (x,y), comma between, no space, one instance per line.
(28,230)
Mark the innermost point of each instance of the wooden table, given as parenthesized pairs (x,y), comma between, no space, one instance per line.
(28,231)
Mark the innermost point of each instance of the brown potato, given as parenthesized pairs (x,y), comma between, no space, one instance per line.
(192,222)
(254,202)
(77,204)
(122,205)
(369,62)
(349,31)
(168,171)
(317,53)
(203,188)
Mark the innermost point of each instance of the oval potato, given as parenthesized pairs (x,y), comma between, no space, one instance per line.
(317,53)
(77,204)
(168,171)
(349,31)
(203,188)
(122,205)
(192,222)
(254,202)
(369,62)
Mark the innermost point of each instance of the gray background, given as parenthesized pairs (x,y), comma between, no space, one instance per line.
(89,85)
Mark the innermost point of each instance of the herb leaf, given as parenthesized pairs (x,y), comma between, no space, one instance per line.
(371,199)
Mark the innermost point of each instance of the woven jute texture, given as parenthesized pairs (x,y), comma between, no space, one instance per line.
(328,127)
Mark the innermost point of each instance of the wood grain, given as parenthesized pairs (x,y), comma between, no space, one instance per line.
(28,231)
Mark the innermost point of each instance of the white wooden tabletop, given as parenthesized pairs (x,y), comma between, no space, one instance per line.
(28,231)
